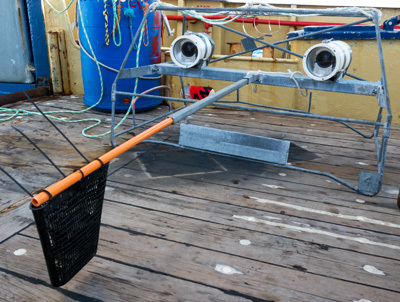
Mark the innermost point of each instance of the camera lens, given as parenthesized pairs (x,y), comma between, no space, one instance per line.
(325,59)
(189,49)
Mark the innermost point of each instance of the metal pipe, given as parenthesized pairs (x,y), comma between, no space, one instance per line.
(131,46)
(238,54)
(386,105)
(338,12)
(146,92)
(143,124)
(198,105)
(133,111)
(262,21)
(114,85)
(315,116)
(256,21)
(292,112)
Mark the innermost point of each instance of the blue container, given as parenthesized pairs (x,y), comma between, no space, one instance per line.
(112,55)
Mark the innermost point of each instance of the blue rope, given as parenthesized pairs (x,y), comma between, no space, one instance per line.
(130,14)
(116,26)
(59,11)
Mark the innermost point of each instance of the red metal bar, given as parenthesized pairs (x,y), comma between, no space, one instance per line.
(257,21)
(263,21)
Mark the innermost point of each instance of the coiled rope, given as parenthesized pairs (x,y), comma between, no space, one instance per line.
(9,113)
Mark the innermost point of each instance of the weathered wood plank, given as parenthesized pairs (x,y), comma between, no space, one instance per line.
(103,279)
(276,250)
(266,248)
(189,261)
(29,167)
(199,265)
(269,181)
(228,213)
(178,158)
(14,219)
(171,215)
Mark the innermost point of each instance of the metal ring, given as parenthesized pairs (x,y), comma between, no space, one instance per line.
(100,161)
(48,193)
(83,175)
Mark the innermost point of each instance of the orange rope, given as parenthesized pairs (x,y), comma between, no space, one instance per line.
(118,16)
(146,28)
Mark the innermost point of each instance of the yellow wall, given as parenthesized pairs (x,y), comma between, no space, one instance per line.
(365,64)
(64,53)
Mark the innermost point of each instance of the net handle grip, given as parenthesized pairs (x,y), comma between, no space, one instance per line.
(76,176)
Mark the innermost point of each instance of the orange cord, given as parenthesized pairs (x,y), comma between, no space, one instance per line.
(119,18)
(73,178)
(146,28)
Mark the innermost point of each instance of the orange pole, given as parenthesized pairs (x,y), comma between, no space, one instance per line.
(73,178)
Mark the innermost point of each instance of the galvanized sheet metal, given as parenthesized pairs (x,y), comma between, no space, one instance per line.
(234,143)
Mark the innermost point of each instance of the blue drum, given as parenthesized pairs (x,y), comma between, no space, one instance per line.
(130,14)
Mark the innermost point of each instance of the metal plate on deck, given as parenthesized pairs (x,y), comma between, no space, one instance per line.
(235,143)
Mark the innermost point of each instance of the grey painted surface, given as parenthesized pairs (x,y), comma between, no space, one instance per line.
(15,50)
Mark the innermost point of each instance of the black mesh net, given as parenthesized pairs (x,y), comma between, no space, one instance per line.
(69,224)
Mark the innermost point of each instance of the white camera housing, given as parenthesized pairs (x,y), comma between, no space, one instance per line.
(192,50)
(328,60)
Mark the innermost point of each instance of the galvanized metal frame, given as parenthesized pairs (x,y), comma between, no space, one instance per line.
(369,183)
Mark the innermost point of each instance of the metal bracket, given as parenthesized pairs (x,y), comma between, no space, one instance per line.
(43,82)
(381,95)
(248,43)
(253,76)
(369,182)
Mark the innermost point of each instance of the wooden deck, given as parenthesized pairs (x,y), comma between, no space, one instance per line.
(179,225)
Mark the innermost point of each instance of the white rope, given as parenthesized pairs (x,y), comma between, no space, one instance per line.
(291,75)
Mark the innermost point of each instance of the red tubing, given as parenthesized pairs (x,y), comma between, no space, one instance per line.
(257,21)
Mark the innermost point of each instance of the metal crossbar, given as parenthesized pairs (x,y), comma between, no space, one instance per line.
(369,183)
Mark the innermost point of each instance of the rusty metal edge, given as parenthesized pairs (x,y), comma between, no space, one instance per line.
(11,98)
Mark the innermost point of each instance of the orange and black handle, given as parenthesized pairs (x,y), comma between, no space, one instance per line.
(73,178)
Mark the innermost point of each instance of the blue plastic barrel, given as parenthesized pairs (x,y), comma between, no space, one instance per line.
(112,55)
